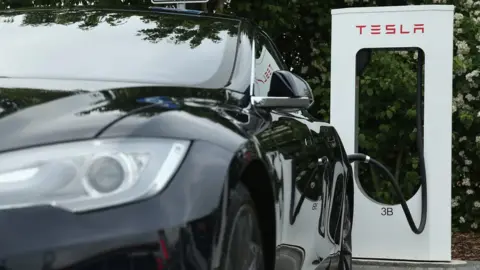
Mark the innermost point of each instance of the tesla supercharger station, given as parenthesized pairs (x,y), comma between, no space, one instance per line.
(429,27)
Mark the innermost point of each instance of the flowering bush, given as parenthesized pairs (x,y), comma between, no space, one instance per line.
(466,117)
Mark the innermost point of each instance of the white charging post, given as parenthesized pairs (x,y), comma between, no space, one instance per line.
(381,231)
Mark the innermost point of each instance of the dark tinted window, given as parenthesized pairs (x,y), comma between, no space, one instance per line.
(126,46)
(266,62)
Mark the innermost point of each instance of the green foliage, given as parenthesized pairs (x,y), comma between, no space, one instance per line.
(301,30)
(387,123)
(466,117)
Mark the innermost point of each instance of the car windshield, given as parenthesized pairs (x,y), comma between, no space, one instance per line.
(117,46)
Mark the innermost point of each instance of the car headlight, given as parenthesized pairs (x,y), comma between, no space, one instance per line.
(88,175)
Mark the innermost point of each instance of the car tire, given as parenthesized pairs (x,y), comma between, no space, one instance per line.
(243,239)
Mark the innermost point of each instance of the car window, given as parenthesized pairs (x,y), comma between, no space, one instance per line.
(267,61)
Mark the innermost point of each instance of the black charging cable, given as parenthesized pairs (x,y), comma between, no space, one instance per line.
(423,174)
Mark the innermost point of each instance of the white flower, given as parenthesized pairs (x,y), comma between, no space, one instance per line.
(461,220)
(478,114)
(465,169)
(471,79)
(476,204)
(469,97)
(458,18)
(461,153)
(455,204)
(462,47)
(458,99)
(463,138)
(470,191)
(477,139)
(466,182)
(468,162)
(474,225)
(470,76)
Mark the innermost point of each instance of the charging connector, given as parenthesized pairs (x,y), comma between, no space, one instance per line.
(398,192)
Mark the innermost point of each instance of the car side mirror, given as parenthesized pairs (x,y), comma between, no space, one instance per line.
(287,90)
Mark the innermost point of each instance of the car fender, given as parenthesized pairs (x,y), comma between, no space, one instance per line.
(219,154)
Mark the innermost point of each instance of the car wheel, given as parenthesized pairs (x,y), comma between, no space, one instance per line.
(243,250)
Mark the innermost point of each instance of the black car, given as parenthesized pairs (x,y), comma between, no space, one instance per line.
(147,139)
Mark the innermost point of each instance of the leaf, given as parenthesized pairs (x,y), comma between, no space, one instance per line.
(389,114)
(369,92)
(361,139)
(466,119)
(413,136)
(411,113)
(384,128)
(415,165)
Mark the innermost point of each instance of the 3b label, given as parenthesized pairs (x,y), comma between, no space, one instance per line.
(387,211)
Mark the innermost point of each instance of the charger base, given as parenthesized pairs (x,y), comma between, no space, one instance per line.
(372,264)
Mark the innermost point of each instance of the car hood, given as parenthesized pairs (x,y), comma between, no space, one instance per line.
(59,112)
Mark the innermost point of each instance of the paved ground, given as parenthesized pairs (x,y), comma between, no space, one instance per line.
(383,265)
